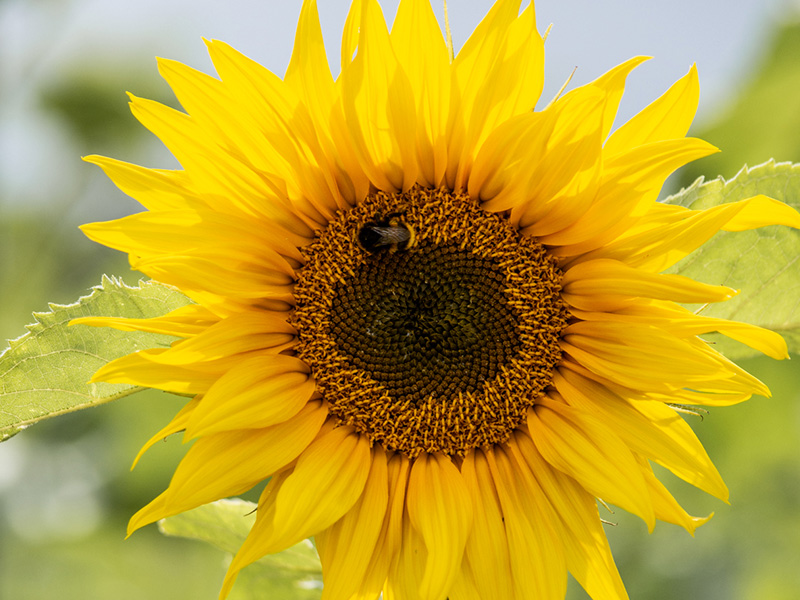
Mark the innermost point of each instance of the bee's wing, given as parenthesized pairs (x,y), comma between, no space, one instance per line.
(391,235)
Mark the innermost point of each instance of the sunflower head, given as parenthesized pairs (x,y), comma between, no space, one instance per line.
(440,347)
(432,316)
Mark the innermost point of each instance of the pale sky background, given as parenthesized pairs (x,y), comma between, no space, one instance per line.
(44,39)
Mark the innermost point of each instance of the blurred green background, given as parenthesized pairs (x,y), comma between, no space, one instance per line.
(65,489)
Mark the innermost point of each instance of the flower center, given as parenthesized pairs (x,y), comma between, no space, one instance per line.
(438,322)
(428,323)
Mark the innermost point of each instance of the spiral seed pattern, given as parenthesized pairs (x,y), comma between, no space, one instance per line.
(439,323)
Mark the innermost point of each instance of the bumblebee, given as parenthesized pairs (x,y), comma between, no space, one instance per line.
(390,233)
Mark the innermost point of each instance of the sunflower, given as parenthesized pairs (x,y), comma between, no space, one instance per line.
(432,317)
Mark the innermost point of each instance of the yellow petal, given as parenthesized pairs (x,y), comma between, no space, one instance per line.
(325,484)
(470,72)
(439,508)
(423,56)
(667,118)
(178,231)
(155,189)
(509,158)
(408,568)
(231,278)
(498,74)
(740,379)
(631,182)
(298,168)
(224,176)
(487,546)
(258,392)
(251,553)
(464,587)
(659,243)
(586,549)
(350,35)
(230,463)
(355,184)
(535,551)
(207,100)
(683,323)
(327,481)
(263,330)
(309,77)
(185,321)
(308,73)
(346,547)
(584,448)
(610,278)
(666,507)
(178,423)
(643,358)
(553,165)
(379,109)
(704,398)
(613,83)
(651,429)
(759,211)
(387,548)
(143,369)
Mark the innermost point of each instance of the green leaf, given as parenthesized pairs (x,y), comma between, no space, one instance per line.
(764,264)
(294,574)
(45,372)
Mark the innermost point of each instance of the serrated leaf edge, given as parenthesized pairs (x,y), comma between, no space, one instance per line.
(105,281)
(7,432)
(720,180)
